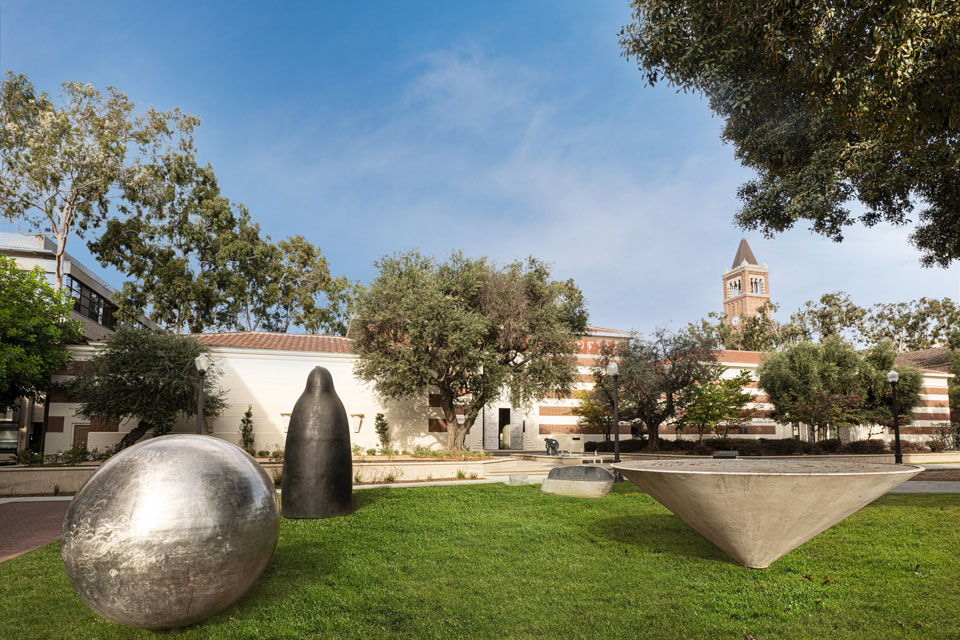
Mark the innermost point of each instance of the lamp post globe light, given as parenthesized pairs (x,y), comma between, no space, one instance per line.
(892,378)
(202,362)
(613,370)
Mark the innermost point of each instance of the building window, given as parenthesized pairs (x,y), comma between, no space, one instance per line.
(734,288)
(90,304)
(756,284)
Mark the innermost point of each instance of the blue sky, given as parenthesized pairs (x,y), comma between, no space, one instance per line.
(504,129)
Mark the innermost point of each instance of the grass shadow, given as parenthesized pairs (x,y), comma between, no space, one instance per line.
(658,533)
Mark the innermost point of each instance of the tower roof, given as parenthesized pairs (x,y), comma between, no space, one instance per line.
(743,253)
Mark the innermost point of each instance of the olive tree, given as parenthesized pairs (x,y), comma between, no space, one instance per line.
(467,330)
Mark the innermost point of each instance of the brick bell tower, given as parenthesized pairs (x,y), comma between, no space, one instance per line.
(746,286)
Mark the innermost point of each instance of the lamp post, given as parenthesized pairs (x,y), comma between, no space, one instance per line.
(892,378)
(613,369)
(203,363)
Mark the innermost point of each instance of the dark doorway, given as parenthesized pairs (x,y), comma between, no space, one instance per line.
(504,433)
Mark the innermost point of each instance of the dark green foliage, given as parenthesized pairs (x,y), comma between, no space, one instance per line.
(468,331)
(828,385)
(34,327)
(749,447)
(196,260)
(658,376)
(827,103)
(382,427)
(146,375)
(247,438)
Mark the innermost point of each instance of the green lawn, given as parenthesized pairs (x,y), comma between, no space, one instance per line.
(494,561)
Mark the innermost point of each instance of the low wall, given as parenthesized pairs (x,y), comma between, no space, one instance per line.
(46,480)
(908,458)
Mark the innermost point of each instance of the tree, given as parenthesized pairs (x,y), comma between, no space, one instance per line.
(196,260)
(829,385)
(35,326)
(468,331)
(715,403)
(287,283)
(918,324)
(247,438)
(61,167)
(759,332)
(658,376)
(146,375)
(877,408)
(827,102)
(595,410)
(834,315)
(382,427)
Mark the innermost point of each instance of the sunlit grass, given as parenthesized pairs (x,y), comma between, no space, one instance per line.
(495,561)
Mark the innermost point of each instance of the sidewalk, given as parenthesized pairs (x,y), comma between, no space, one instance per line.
(28,523)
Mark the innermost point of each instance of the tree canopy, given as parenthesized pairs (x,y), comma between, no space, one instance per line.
(146,375)
(827,102)
(828,385)
(62,166)
(35,326)
(467,330)
(716,405)
(658,375)
(195,260)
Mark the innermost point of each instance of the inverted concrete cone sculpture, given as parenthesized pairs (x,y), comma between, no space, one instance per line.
(317,477)
(759,510)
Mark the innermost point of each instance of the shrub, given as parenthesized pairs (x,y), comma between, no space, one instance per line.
(910,445)
(382,427)
(390,478)
(371,451)
(246,430)
(278,479)
(701,449)
(356,478)
(357,450)
(74,455)
(936,445)
(461,474)
(277,455)
(420,451)
(866,446)
(474,476)
(263,453)
(30,458)
(828,445)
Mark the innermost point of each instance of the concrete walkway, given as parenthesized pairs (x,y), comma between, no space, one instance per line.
(28,523)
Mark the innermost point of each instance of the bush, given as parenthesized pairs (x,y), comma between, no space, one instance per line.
(700,449)
(357,450)
(371,451)
(866,446)
(382,427)
(829,445)
(29,458)
(277,455)
(246,430)
(263,453)
(74,455)
(910,446)
(936,445)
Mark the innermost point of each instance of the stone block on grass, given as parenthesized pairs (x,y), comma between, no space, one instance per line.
(586,481)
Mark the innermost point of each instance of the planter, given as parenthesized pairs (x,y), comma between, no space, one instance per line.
(46,480)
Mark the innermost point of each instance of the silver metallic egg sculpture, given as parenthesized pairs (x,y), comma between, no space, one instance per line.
(170,531)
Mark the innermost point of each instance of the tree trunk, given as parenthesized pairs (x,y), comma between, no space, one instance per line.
(456,432)
(134,435)
(60,256)
(653,435)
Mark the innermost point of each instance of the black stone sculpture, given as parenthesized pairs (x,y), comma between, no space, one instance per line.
(553,446)
(317,477)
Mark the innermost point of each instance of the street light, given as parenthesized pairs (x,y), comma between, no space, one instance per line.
(892,378)
(203,363)
(613,369)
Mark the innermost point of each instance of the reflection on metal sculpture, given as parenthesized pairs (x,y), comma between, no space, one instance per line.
(170,531)
(317,465)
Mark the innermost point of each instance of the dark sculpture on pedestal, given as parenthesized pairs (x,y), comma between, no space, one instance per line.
(553,447)
(317,467)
